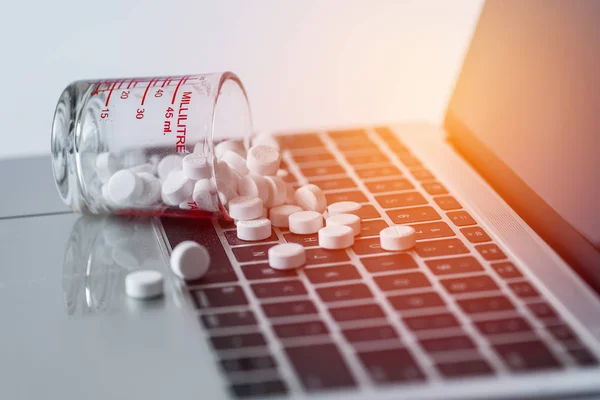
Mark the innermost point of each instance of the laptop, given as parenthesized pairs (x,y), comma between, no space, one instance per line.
(498,299)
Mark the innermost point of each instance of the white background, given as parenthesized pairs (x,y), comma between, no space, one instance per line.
(305,63)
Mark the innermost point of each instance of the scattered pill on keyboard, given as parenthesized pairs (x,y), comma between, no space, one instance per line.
(287,256)
(397,238)
(253,230)
(351,220)
(144,284)
(343,207)
(125,187)
(277,191)
(177,188)
(254,186)
(190,260)
(168,164)
(280,215)
(233,145)
(152,188)
(263,160)
(245,208)
(305,222)
(106,165)
(236,162)
(196,166)
(336,237)
(311,198)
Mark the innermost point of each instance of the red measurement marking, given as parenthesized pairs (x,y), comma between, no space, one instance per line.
(181,81)
(130,83)
(110,93)
(146,91)
(121,84)
(165,82)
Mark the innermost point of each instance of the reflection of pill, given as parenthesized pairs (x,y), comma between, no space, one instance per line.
(235,161)
(336,237)
(152,188)
(177,188)
(145,284)
(196,166)
(280,215)
(233,145)
(277,191)
(287,256)
(253,230)
(263,160)
(351,220)
(106,165)
(245,208)
(125,187)
(168,164)
(397,238)
(190,260)
(310,197)
(255,186)
(305,222)
(343,207)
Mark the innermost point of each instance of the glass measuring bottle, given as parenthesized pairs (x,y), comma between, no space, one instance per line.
(116,143)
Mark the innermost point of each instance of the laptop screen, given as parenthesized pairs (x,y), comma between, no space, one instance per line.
(529,93)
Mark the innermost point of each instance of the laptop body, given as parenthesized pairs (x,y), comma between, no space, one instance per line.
(494,301)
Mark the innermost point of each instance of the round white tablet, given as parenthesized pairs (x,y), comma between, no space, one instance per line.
(254,186)
(343,207)
(253,230)
(196,167)
(189,260)
(224,173)
(145,284)
(351,220)
(311,197)
(263,160)
(106,165)
(106,196)
(280,215)
(199,148)
(277,191)
(265,139)
(244,208)
(305,222)
(234,145)
(152,188)
(287,256)
(125,187)
(397,238)
(336,237)
(235,162)
(204,195)
(177,187)
(146,167)
(168,164)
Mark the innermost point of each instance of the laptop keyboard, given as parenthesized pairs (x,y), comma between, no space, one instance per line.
(455,306)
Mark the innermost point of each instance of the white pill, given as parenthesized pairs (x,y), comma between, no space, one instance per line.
(233,145)
(106,165)
(343,207)
(177,188)
(224,187)
(144,284)
(253,230)
(336,237)
(397,238)
(199,148)
(255,186)
(152,188)
(146,167)
(311,197)
(289,194)
(125,187)
(244,208)
(235,161)
(305,222)
(263,160)
(224,174)
(280,215)
(106,196)
(168,164)
(277,191)
(282,173)
(204,195)
(190,260)
(287,256)
(132,158)
(351,220)
(196,166)
(265,139)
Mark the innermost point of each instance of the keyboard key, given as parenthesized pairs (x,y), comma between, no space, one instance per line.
(320,366)
(437,248)
(542,310)
(323,256)
(391,366)
(312,158)
(378,172)
(354,195)
(431,322)
(421,174)
(300,329)
(248,364)
(344,292)
(367,246)
(228,320)
(289,309)
(458,265)
(252,253)
(432,230)
(337,273)
(278,289)
(408,159)
(238,341)
(368,158)
(233,240)
(226,296)
(254,272)
(523,289)
(334,184)
(525,356)
(583,357)
(390,185)
(355,144)
(296,141)
(447,203)
(401,200)
(453,343)
(323,170)
(475,234)
(490,252)
(370,334)
(372,227)
(485,304)
(461,218)
(305,240)
(408,280)
(391,262)
(414,214)
(385,133)
(416,301)
(468,368)
(367,211)
(434,188)
(562,333)
(359,312)
(341,135)
(471,284)
(259,389)
(223,223)
(504,325)
(506,270)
